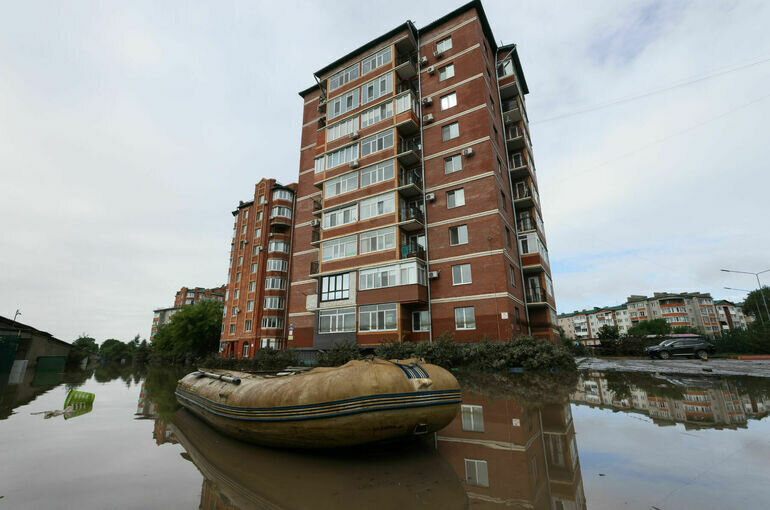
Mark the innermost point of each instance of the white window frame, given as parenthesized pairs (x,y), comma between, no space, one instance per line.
(459,274)
(461,230)
(337,318)
(379,87)
(476,472)
(472,418)
(341,184)
(458,195)
(272,303)
(342,128)
(377,142)
(247,325)
(342,156)
(376,114)
(446,72)
(278,247)
(376,60)
(378,205)
(421,326)
(340,217)
(381,172)
(444,44)
(448,101)
(392,275)
(280,211)
(339,248)
(453,164)
(385,239)
(272,322)
(450,131)
(275,283)
(277,265)
(464,312)
(335,287)
(342,104)
(375,317)
(283,194)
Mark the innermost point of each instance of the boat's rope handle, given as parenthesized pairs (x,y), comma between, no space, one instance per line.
(221,377)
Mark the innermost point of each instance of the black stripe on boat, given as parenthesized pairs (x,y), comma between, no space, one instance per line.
(413,371)
(332,409)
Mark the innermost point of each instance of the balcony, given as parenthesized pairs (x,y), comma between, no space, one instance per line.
(520,169)
(315,237)
(411,219)
(515,138)
(317,206)
(511,111)
(409,251)
(526,224)
(536,297)
(406,66)
(524,196)
(407,113)
(509,88)
(409,151)
(280,221)
(409,182)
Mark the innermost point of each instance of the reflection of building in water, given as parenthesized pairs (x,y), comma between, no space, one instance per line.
(695,403)
(148,410)
(514,457)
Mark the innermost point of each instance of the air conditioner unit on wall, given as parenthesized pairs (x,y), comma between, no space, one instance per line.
(468,152)
(354,135)
(427,101)
(430,196)
(431,70)
(315,223)
(438,54)
(427,118)
(423,60)
(354,163)
(432,275)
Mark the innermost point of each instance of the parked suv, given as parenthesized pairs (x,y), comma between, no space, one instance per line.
(681,347)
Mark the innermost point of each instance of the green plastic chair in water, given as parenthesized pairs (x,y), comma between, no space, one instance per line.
(81,401)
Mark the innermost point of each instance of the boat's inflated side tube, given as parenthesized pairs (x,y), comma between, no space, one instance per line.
(220,377)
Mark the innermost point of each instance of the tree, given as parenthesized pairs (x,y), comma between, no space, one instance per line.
(115,350)
(754,305)
(194,330)
(608,332)
(685,329)
(650,327)
(86,343)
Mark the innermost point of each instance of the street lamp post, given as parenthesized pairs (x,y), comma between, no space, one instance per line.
(759,313)
(759,286)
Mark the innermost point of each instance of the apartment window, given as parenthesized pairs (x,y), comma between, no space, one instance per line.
(250,306)
(269,343)
(473,418)
(376,143)
(334,288)
(252,286)
(275,283)
(342,156)
(278,246)
(372,62)
(377,317)
(455,198)
(446,72)
(444,45)
(453,164)
(232,329)
(341,216)
(421,321)
(377,173)
(378,113)
(245,214)
(476,473)
(257,233)
(458,235)
(507,237)
(517,160)
(342,184)
(344,76)
(277,265)
(247,325)
(377,88)
(504,202)
(243,229)
(450,131)
(318,164)
(234,311)
(377,206)
(283,212)
(338,248)
(272,322)
(465,318)
(238,277)
(256,250)
(512,275)
(505,68)
(448,101)
(242,244)
(342,104)
(406,273)
(273,303)
(261,199)
(283,194)
(517,317)
(378,240)
(341,129)
(461,274)
(259,215)
(339,320)
(240,260)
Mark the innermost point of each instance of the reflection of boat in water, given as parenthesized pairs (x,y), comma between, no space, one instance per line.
(359,402)
(238,475)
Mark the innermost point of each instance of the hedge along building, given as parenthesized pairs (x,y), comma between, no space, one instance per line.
(255,308)
(418,210)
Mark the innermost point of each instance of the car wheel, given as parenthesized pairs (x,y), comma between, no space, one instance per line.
(702,355)
(664,355)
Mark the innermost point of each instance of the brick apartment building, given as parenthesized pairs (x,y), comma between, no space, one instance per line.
(417,208)
(260,262)
(185,296)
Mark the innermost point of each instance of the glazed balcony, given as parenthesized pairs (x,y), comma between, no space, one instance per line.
(409,182)
(517,138)
(526,224)
(407,113)
(406,65)
(410,251)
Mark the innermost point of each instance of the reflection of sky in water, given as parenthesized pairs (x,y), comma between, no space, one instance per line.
(104,459)
(670,467)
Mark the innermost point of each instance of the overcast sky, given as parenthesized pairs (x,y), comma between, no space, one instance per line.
(129,132)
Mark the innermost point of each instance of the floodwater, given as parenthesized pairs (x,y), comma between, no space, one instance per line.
(558,442)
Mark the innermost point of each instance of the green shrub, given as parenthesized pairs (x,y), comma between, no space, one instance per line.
(338,355)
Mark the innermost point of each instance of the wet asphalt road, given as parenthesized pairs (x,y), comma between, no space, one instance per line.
(755,368)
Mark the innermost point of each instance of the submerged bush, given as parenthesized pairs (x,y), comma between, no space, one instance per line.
(338,355)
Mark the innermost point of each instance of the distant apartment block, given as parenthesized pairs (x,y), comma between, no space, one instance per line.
(691,309)
(184,296)
(260,262)
(418,212)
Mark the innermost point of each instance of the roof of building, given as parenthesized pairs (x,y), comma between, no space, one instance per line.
(10,325)
(408,25)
